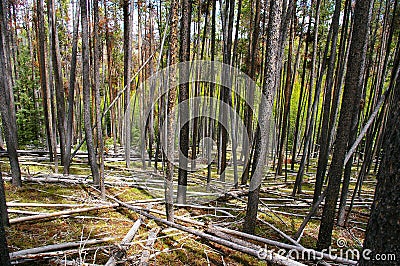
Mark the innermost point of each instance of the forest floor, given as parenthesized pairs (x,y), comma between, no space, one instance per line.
(44,192)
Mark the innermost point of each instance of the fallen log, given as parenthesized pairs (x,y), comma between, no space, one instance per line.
(289,247)
(239,193)
(260,253)
(213,231)
(64,262)
(144,259)
(53,254)
(125,243)
(44,205)
(280,233)
(56,247)
(60,213)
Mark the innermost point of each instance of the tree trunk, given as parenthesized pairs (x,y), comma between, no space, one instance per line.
(324,142)
(7,99)
(383,229)
(71,92)
(248,111)
(173,50)
(211,93)
(265,111)
(310,112)
(86,93)
(184,55)
(3,205)
(287,97)
(97,98)
(354,81)
(301,96)
(58,77)
(127,9)
(4,255)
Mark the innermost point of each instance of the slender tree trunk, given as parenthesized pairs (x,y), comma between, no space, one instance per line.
(287,97)
(248,111)
(184,55)
(265,111)
(45,86)
(110,64)
(173,50)
(71,92)
(86,94)
(310,112)
(58,77)
(383,230)
(354,81)
(324,143)
(4,255)
(127,9)
(3,205)
(97,98)
(301,96)
(345,40)
(6,98)
(212,88)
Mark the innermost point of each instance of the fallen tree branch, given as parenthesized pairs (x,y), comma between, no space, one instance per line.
(56,247)
(60,213)
(316,254)
(144,259)
(125,243)
(260,253)
(35,204)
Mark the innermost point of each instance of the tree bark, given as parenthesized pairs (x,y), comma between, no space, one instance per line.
(97,98)
(248,111)
(71,92)
(324,143)
(7,98)
(42,43)
(310,112)
(265,111)
(86,94)
(354,81)
(4,255)
(184,55)
(58,77)
(127,77)
(383,229)
(173,50)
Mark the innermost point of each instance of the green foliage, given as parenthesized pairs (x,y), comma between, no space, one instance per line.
(27,100)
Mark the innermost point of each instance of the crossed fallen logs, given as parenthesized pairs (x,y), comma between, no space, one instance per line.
(232,239)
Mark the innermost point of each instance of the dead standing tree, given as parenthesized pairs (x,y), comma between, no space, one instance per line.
(265,111)
(353,83)
(7,97)
(170,137)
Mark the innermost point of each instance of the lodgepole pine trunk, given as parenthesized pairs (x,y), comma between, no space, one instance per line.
(86,94)
(58,77)
(4,255)
(7,106)
(184,55)
(127,77)
(71,91)
(354,81)
(265,111)
(170,137)
(383,226)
